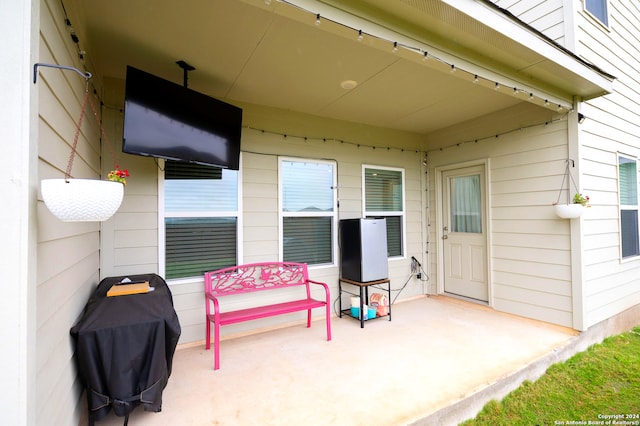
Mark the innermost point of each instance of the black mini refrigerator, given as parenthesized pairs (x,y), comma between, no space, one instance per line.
(363,249)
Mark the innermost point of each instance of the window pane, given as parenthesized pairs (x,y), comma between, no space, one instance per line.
(466,214)
(197,245)
(394,235)
(629,228)
(598,8)
(196,242)
(383,190)
(307,239)
(197,188)
(307,187)
(628,178)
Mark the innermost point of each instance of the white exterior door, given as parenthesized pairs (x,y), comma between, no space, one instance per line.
(464,232)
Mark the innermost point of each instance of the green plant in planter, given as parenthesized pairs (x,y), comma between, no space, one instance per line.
(118,175)
(580,199)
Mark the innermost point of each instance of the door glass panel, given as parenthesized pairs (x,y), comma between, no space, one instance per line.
(466,213)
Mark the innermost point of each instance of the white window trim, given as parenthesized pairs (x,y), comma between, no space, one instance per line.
(333,213)
(403,214)
(627,207)
(161,230)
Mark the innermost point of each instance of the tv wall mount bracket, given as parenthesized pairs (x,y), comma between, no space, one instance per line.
(186,68)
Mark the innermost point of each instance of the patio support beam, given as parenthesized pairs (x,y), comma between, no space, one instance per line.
(19,29)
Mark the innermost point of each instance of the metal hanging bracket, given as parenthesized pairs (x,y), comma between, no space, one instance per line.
(86,75)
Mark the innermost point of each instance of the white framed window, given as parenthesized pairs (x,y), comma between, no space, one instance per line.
(200,220)
(628,191)
(598,9)
(383,197)
(308,207)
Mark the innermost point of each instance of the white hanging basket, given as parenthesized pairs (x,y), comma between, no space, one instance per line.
(82,200)
(569,211)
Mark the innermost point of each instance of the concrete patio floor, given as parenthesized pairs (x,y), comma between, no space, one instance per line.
(436,363)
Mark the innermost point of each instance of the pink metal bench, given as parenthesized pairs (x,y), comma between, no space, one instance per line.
(258,277)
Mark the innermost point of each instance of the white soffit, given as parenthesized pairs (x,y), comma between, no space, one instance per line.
(506,45)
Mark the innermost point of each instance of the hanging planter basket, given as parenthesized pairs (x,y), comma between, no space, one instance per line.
(569,211)
(82,200)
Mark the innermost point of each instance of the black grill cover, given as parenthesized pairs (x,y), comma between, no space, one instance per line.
(125,346)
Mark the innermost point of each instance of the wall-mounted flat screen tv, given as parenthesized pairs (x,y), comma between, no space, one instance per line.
(166,120)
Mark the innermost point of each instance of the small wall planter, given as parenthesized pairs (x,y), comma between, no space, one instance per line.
(82,200)
(569,211)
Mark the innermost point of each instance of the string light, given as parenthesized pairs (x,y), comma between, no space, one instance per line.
(287,137)
(425,56)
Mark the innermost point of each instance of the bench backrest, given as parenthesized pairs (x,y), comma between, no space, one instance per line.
(255,277)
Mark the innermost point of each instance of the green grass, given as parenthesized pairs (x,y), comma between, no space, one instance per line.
(602,381)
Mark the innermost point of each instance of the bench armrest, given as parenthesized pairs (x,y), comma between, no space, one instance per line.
(216,306)
(326,288)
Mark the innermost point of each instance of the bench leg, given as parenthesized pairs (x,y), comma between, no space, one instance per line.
(207,338)
(328,319)
(308,318)
(216,349)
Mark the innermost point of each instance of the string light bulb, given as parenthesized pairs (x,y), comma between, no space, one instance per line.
(475,78)
(453,68)
(360,35)
(497,86)
(317,19)
(426,56)
(395,47)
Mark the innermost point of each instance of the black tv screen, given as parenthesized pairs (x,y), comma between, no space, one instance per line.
(166,120)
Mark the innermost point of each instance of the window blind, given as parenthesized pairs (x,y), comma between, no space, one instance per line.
(201,219)
(383,192)
(308,211)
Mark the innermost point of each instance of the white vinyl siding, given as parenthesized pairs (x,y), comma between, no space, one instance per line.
(68,254)
(612,126)
(546,16)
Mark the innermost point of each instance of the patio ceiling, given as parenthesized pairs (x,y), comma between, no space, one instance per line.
(272,53)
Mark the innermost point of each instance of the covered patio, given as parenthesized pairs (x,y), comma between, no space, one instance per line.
(438,361)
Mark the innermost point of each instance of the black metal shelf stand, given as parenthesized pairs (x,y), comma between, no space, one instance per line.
(364,295)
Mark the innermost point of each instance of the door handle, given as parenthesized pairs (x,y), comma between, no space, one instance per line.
(445,229)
